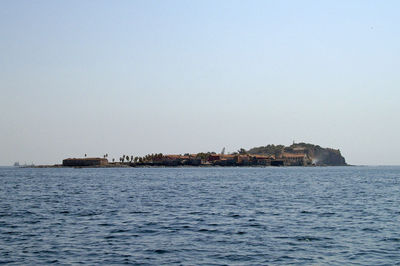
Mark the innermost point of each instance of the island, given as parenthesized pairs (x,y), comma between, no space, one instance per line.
(297,154)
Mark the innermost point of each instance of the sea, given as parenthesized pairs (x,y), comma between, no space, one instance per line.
(200,216)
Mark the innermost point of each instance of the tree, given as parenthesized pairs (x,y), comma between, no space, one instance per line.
(242,151)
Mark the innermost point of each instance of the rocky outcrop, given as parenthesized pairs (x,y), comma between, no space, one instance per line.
(321,156)
(315,153)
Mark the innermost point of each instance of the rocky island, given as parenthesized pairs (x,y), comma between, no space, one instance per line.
(297,154)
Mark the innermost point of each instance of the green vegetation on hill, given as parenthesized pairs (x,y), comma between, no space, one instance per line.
(271,149)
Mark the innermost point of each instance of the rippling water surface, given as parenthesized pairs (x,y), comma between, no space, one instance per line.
(331,215)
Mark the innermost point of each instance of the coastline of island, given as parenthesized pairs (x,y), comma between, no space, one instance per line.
(297,154)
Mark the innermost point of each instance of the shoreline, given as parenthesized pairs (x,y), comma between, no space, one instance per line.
(179,166)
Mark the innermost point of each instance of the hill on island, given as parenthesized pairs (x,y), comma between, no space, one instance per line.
(318,155)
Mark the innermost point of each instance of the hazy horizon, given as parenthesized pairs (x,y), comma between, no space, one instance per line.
(140,77)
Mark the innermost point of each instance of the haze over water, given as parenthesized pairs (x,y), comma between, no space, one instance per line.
(327,215)
(175,77)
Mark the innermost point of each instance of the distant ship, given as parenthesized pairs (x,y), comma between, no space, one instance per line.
(16,164)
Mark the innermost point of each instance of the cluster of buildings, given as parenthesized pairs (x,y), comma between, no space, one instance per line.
(292,158)
(286,159)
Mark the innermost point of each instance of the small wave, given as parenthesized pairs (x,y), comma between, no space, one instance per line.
(105,224)
(115,231)
(147,231)
(282,237)
(87,213)
(158,251)
(326,214)
(391,239)
(208,230)
(283,258)
(10,233)
(196,213)
(236,257)
(138,212)
(33,221)
(311,238)
(255,225)
(323,228)
(367,229)
(307,212)
(213,224)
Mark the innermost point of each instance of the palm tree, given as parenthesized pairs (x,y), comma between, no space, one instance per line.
(242,151)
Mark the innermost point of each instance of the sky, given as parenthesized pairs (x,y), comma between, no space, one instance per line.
(139,77)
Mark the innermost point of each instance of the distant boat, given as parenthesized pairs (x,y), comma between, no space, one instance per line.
(16,164)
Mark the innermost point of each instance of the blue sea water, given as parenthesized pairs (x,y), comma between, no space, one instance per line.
(190,216)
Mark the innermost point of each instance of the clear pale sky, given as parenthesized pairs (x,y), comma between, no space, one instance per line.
(138,77)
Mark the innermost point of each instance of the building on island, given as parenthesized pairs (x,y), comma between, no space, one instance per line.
(295,159)
(79,162)
(264,160)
